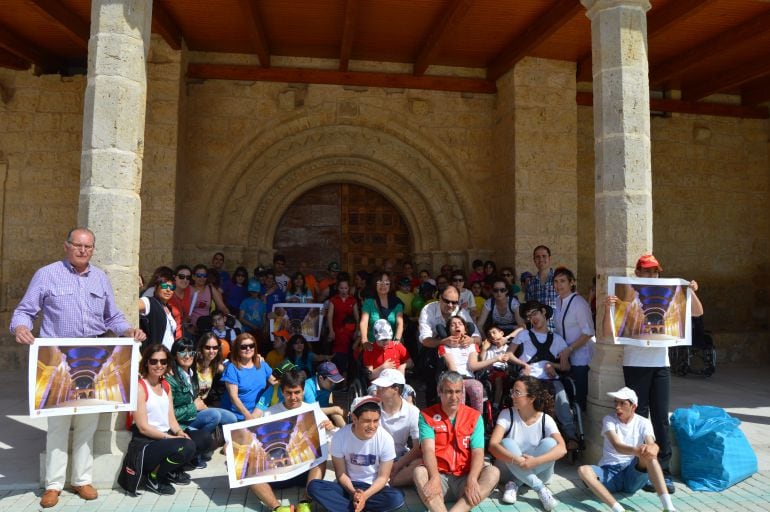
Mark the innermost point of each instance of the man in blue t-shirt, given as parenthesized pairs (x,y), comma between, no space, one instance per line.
(319,389)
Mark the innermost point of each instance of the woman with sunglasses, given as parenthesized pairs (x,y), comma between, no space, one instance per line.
(236,288)
(160,320)
(245,377)
(526,442)
(209,368)
(203,294)
(159,448)
(182,298)
(501,309)
(384,304)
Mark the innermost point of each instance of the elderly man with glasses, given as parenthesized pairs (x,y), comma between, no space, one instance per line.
(77,301)
(434,315)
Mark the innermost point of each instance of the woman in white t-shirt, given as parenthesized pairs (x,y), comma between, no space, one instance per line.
(526,442)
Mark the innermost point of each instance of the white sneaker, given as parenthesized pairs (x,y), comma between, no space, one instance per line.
(547,499)
(510,493)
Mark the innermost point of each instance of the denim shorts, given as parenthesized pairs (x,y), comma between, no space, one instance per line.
(621,477)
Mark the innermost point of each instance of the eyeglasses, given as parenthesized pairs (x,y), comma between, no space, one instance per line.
(81,247)
(187,353)
(383,283)
(247,346)
(167,286)
(201,275)
(162,362)
(211,347)
(518,394)
(449,302)
(499,290)
(184,277)
(458,279)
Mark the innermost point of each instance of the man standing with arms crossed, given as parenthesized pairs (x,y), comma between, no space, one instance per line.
(77,301)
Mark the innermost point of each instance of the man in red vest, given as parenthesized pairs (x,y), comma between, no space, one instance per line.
(452,440)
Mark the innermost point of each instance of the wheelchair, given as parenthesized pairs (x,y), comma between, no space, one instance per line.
(700,358)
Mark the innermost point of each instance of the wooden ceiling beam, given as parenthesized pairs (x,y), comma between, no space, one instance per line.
(23,49)
(259,44)
(12,61)
(79,30)
(693,107)
(163,23)
(756,92)
(657,22)
(727,79)
(452,17)
(675,66)
(544,26)
(348,33)
(344,78)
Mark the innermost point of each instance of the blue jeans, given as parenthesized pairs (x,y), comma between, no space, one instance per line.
(534,477)
(333,497)
(208,419)
(563,410)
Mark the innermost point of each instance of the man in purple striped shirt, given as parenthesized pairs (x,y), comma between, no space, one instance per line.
(77,301)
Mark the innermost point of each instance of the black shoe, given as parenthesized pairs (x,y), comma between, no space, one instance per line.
(178,477)
(648,487)
(158,487)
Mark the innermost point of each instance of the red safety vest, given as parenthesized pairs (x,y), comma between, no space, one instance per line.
(453,442)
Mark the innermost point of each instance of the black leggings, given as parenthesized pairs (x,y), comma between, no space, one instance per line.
(168,455)
(203,440)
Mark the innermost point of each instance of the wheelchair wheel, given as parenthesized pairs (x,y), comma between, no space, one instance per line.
(355,390)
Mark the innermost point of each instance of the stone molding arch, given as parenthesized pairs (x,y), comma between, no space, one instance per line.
(262,180)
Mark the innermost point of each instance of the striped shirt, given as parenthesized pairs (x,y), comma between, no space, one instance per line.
(73,305)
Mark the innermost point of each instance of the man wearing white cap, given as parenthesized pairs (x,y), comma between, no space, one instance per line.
(629,456)
(363,455)
(400,419)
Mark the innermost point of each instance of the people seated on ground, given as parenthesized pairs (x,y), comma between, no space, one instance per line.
(252,310)
(452,443)
(225,334)
(160,323)
(629,455)
(386,354)
(209,367)
(319,389)
(574,322)
(303,357)
(190,410)
(245,377)
(492,358)
(383,304)
(457,358)
(343,319)
(362,455)
(235,289)
(158,445)
(400,418)
(526,442)
(298,290)
(502,309)
(543,355)
(292,385)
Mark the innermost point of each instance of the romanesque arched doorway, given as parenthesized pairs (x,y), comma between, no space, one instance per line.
(353,225)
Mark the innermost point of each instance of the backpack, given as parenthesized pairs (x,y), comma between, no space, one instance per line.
(491,316)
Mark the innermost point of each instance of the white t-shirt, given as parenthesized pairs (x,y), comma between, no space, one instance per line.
(631,434)
(467,301)
(168,334)
(529,350)
(649,357)
(459,356)
(402,425)
(282,281)
(526,436)
(578,321)
(493,351)
(362,457)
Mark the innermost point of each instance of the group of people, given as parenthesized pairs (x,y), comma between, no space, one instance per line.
(197,375)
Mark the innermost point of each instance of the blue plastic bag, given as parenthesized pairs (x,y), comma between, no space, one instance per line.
(714,453)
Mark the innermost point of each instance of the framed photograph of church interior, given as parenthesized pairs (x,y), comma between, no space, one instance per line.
(276,447)
(651,312)
(82,375)
(304,319)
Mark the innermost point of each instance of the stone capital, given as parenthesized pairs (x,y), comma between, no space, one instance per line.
(593,7)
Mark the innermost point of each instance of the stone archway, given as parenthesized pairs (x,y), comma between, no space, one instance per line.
(272,171)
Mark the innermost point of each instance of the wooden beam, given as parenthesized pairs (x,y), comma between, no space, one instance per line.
(348,32)
(536,33)
(12,61)
(344,78)
(675,66)
(724,80)
(756,92)
(163,23)
(78,29)
(256,34)
(692,107)
(24,50)
(450,18)
(657,22)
